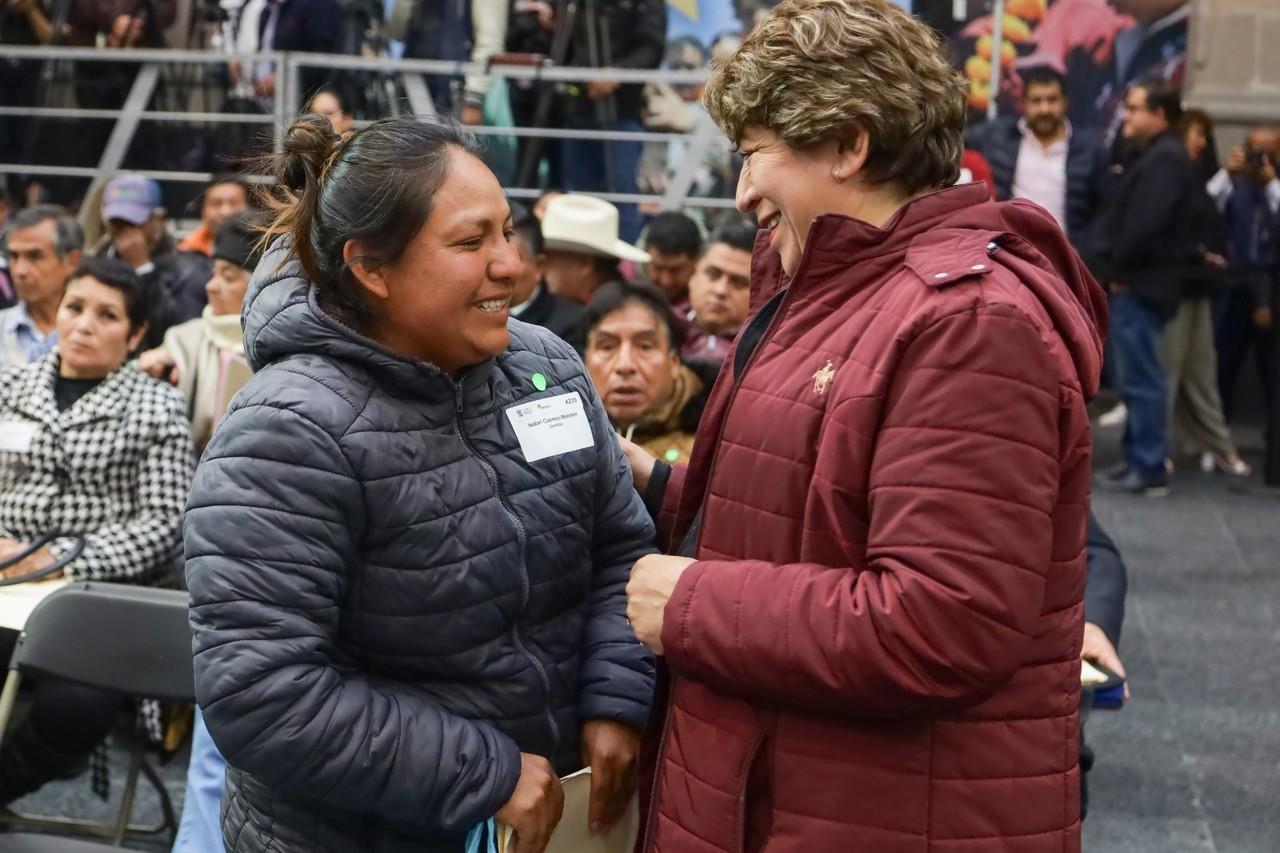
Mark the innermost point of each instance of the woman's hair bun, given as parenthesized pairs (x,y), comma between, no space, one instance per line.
(309,145)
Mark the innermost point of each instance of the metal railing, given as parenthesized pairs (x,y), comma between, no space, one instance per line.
(289,70)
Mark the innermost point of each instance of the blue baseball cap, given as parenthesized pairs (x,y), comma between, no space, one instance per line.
(132,198)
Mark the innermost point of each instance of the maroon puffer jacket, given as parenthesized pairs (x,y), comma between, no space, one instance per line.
(878,648)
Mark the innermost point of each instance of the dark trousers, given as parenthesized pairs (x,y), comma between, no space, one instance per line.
(1135,348)
(585,168)
(64,724)
(1236,338)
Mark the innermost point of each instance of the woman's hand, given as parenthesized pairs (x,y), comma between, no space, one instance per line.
(535,806)
(33,563)
(159,364)
(640,461)
(610,749)
(653,579)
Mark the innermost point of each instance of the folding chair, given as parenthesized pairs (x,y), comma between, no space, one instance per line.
(141,647)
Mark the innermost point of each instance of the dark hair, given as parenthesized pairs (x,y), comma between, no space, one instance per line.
(673,233)
(116,274)
(1208,162)
(1164,96)
(239,180)
(740,235)
(529,230)
(618,294)
(330,90)
(1044,75)
(67,234)
(375,185)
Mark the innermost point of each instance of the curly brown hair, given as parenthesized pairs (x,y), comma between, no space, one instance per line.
(816,70)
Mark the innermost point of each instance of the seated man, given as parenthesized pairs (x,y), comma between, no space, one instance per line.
(674,243)
(224,197)
(633,356)
(138,234)
(533,302)
(43,246)
(719,294)
(583,249)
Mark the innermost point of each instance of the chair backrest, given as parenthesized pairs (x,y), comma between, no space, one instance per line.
(128,639)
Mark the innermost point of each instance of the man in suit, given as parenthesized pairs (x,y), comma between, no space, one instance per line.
(533,302)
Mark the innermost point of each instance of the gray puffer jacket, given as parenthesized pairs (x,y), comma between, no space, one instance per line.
(390,602)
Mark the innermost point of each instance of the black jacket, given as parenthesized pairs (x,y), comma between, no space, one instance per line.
(1145,237)
(557,314)
(1000,141)
(390,601)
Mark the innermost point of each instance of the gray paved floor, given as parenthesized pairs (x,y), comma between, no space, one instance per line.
(1192,765)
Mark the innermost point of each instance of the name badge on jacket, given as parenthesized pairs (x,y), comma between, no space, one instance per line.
(17,436)
(551,426)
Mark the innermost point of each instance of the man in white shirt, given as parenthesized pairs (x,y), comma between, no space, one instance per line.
(1041,157)
(1255,160)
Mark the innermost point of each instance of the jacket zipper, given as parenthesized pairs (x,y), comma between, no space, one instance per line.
(522,538)
(715,456)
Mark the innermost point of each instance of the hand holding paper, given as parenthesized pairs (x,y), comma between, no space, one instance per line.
(610,749)
(535,806)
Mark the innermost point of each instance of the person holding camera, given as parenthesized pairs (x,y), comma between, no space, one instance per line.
(1247,191)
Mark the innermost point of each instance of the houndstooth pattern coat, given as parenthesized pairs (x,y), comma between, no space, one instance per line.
(114,468)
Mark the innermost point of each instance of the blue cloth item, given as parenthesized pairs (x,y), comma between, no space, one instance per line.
(200,829)
(18,325)
(486,833)
(1135,345)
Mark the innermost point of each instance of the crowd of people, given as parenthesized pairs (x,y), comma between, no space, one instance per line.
(854,413)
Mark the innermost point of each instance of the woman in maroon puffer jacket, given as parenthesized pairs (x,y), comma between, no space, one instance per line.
(872,625)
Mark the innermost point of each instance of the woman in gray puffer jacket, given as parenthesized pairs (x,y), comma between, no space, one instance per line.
(408,541)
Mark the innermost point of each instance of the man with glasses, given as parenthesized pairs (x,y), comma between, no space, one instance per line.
(1145,245)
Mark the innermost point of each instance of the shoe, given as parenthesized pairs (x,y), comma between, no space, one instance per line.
(1114,417)
(1210,462)
(1131,482)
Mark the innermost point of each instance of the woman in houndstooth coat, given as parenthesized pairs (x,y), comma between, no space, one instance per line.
(92,446)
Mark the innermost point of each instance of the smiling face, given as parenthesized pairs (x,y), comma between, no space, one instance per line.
(94,337)
(445,300)
(787,189)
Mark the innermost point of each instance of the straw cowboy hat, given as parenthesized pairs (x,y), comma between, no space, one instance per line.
(585,224)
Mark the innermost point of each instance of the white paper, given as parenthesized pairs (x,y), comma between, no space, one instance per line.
(572,834)
(551,426)
(18,601)
(17,436)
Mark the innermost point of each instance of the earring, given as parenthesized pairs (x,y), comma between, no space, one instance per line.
(837,175)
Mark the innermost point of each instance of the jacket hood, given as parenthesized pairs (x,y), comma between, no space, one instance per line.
(1069,294)
(943,237)
(282,318)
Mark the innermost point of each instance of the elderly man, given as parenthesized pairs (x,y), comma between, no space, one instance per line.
(719,294)
(633,356)
(582,247)
(44,249)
